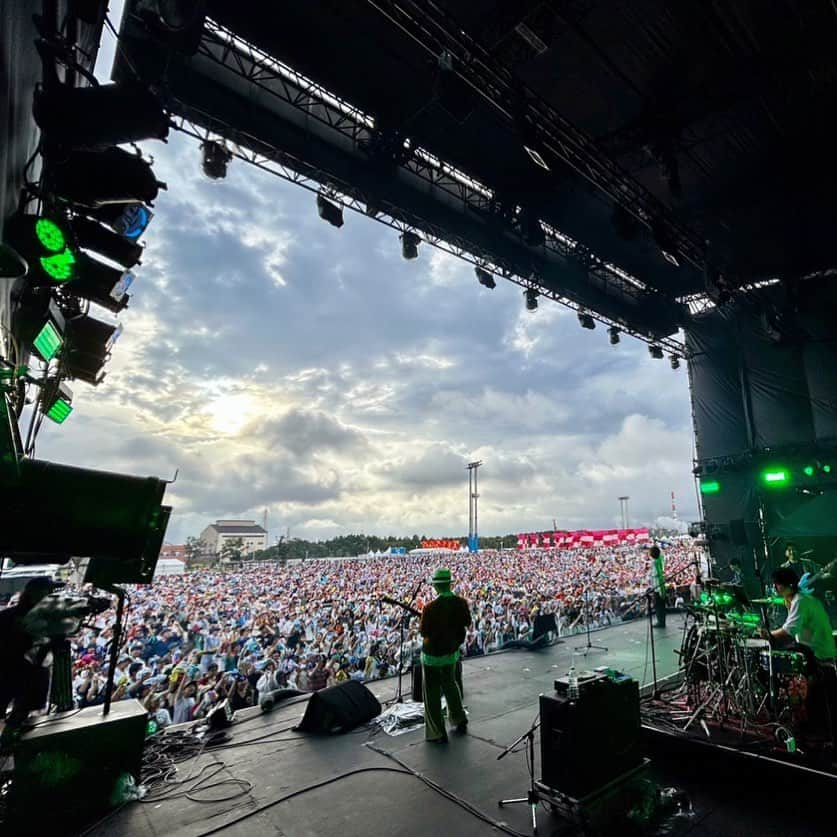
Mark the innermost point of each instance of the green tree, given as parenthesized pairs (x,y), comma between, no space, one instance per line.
(194,551)
(231,550)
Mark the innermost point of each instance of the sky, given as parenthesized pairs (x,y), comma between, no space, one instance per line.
(275,362)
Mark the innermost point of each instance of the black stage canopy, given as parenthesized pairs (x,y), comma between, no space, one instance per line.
(681,143)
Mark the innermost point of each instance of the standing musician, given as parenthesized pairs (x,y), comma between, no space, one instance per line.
(443,624)
(658,583)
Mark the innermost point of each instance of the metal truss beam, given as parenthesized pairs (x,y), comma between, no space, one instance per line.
(274,161)
(231,60)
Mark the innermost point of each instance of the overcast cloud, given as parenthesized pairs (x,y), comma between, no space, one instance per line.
(279,363)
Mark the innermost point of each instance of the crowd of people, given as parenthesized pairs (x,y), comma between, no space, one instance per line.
(194,639)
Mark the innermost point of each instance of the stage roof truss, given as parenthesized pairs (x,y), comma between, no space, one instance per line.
(561,269)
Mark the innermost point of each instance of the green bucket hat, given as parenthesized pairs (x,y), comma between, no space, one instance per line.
(441,576)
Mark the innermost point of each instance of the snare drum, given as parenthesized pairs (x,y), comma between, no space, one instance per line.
(785,663)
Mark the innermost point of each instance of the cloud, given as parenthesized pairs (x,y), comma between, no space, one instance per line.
(278,363)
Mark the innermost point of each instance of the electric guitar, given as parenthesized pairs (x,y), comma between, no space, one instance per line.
(406,607)
(807,582)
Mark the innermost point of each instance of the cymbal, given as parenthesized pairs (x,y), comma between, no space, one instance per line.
(769,600)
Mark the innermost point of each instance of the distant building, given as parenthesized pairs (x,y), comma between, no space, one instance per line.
(252,536)
(176,552)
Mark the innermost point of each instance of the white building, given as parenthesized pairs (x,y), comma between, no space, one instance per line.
(252,536)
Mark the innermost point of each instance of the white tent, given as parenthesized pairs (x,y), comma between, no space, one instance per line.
(169,566)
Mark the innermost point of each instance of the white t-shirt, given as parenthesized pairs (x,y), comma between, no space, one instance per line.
(808,623)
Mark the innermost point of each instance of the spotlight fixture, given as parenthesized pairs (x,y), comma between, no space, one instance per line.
(586,320)
(531,296)
(48,247)
(613,334)
(129,220)
(97,178)
(102,284)
(91,235)
(485,278)
(675,362)
(409,244)
(774,476)
(655,351)
(329,211)
(89,343)
(214,160)
(40,326)
(107,114)
(56,401)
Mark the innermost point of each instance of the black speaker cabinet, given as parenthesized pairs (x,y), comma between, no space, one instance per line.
(339,708)
(587,743)
(70,763)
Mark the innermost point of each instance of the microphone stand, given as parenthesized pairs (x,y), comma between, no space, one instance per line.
(405,617)
(532,798)
(589,646)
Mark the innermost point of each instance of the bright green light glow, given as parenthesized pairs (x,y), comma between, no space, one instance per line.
(775,477)
(59,266)
(808,470)
(826,469)
(712,487)
(50,235)
(47,342)
(60,411)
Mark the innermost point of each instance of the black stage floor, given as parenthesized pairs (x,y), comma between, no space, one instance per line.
(299,788)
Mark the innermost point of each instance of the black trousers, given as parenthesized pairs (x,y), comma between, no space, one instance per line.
(660,610)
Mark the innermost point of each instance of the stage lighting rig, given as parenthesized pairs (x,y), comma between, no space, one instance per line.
(675,362)
(666,243)
(614,335)
(97,116)
(409,244)
(485,278)
(586,320)
(655,351)
(56,400)
(531,297)
(329,211)
(97,178)
(214,160)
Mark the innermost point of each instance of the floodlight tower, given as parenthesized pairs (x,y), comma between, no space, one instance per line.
(623,508)
(473,497)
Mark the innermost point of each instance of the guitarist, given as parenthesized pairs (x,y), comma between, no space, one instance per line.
(443,624)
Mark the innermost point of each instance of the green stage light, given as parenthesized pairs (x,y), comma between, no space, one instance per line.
(808,470)
(48,341)
(50,235)
(59,266)
(826,469)
(710,487)
(59,412)
(774,476)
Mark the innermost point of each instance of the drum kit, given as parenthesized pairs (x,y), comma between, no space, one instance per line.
(732,675)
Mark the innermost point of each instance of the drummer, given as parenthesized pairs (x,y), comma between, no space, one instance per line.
(807,621)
